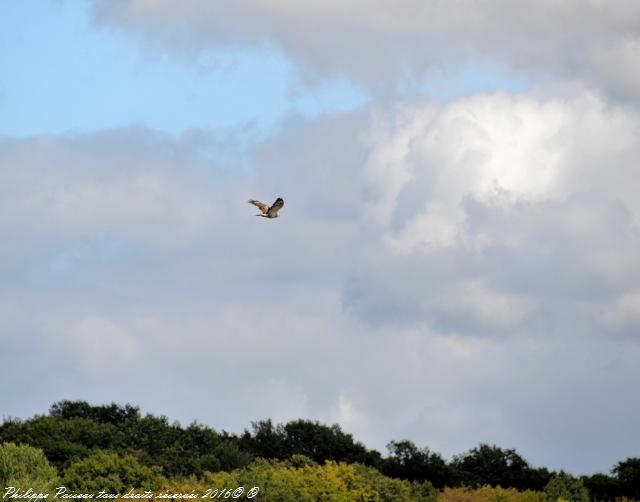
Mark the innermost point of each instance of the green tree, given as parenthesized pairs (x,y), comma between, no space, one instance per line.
(104,414)
(628,474)
(266,440)
(298,461)
(565,487)
(491,465)
(111,472)
(305,437)
(490,494)
(321,442)
(230,456)
(334,482)
(602,487)
(62,441)
(74,429)
(388,488)
(407,461)
(25,467)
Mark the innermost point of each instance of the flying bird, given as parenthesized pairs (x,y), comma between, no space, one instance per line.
(266,211)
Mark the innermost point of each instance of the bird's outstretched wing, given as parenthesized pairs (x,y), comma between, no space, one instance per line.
(275,207)
(261,205)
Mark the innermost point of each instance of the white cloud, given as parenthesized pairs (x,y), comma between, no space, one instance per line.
(386,42)
(134,244)
(107,183)
(498,150)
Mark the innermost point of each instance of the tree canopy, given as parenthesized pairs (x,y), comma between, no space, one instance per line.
(120,447)
(25,466)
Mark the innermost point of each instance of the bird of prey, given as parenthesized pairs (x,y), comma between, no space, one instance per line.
(266,211)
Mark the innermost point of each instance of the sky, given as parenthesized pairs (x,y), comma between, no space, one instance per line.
(456,261)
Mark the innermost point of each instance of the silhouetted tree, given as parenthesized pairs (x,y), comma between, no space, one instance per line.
(602,487)
(105,414)
(628,474)
(407,461)
(304,437)
(320,442)
(266,440)
(491,465)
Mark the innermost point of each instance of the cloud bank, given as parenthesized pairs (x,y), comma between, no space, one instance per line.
(380,44)
(449,273)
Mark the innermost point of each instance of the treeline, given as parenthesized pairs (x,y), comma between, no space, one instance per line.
(79,439)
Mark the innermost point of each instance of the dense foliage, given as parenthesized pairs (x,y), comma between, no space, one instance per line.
(490,494)
(73,430)
(565,487)
(312,439)
(22,465)
(110,472)
(115,448)
(490,465)
(301,479)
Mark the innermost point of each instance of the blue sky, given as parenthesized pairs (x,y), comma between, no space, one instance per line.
(453,265)
(61,74)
